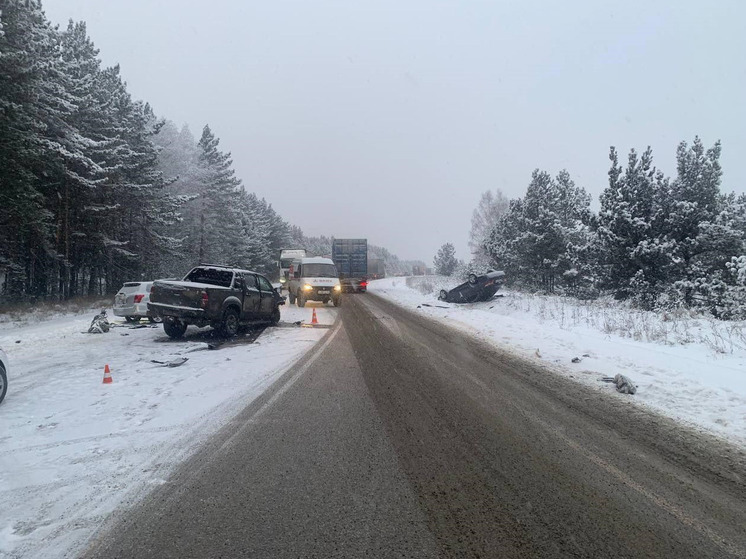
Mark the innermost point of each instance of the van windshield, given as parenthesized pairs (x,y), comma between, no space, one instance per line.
(319,271)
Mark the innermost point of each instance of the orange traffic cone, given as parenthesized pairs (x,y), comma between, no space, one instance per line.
(314,320)
(107,375)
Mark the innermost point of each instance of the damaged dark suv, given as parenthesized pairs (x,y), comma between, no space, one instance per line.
(219,296)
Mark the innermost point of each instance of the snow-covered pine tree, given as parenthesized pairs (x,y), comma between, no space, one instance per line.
(636,255)
(256,250)
(703,241)
(531,240)
(218,234)
(178,158)
(41,150)
(445,260)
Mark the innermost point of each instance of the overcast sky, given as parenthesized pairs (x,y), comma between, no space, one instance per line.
(386,119)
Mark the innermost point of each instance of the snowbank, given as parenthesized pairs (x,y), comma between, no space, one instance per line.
(72,448)
(690,368)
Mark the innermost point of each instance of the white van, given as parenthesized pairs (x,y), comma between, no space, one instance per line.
(314,279)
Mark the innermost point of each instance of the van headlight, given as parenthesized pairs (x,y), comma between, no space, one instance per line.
(337,288)
(307,287)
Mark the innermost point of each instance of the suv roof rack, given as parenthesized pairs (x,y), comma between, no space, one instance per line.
(216,265)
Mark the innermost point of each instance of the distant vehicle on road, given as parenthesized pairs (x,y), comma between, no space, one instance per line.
(351,258)
(287,255)
(223,297)
(376,268)
(314,279)
(131,302)
(476,288)
(3,375)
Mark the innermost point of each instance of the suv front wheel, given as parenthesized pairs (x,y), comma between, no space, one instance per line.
(275,318)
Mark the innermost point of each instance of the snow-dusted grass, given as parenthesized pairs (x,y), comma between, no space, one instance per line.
(688,366)
(72,449)
(680,327)
(25,313)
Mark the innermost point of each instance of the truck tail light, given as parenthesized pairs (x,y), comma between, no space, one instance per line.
(204,299)
(363,284)
(138,298)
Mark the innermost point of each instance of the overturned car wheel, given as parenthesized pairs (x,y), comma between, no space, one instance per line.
(443,295)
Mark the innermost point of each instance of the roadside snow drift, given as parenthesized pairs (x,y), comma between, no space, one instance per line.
(72,448)
(692,369)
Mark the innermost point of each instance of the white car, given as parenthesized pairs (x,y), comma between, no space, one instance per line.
(132,302)
(3,374)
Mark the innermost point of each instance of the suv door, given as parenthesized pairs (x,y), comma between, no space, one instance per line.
(268,297)
(252,297)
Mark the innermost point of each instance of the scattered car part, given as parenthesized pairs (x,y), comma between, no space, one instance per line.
(99,324)
(178,362)
(624,385)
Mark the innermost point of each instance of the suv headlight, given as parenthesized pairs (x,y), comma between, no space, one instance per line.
(307,287)
(337,288)
(282,280)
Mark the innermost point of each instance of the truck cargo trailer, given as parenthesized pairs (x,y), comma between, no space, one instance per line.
(351,258)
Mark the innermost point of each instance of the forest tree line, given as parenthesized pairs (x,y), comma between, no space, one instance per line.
(96,190)
(657,241)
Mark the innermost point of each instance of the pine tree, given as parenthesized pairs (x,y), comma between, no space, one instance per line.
(533,237)
(630,228)
(445,261)
(217,236)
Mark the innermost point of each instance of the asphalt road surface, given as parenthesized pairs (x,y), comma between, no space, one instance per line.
(399,437)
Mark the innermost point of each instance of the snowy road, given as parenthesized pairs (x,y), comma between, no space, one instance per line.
(401,437)
(73,449)
(689,372)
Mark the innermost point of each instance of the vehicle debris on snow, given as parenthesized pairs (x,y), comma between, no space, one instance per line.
(178,362)
(623,384)
(99,324)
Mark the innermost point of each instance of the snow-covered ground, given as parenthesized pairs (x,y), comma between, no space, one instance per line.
(690,368)
(72,448)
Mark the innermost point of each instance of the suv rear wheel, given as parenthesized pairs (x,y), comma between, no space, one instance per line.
(174,327)
(230,324)
(3,383)
(291,297)
(301,300)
